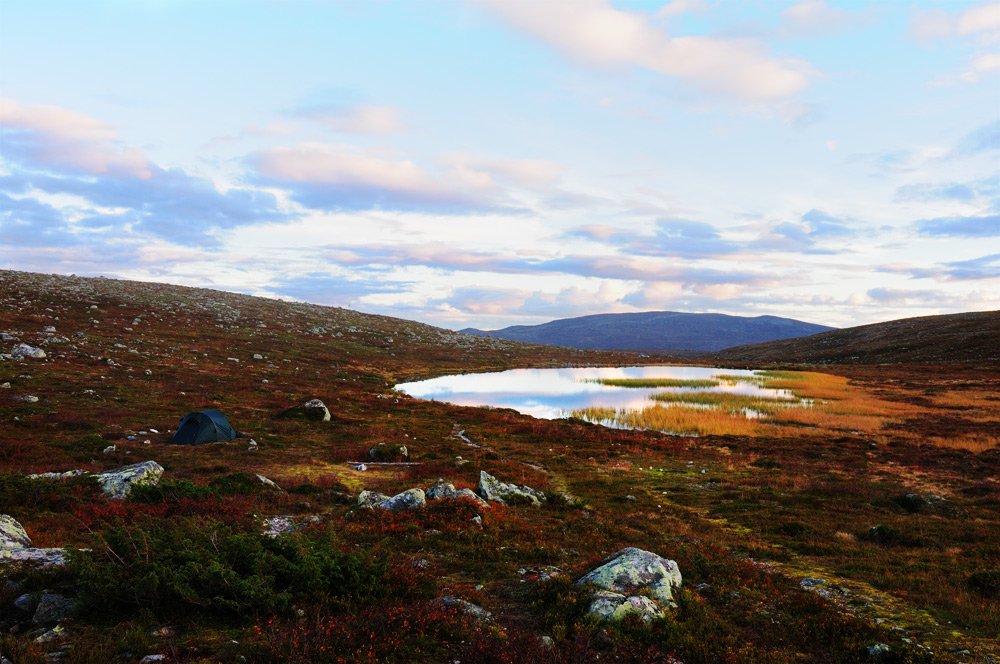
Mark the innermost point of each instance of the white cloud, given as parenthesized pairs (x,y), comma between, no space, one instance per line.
(324,164)
(530,173)
(595,32)
(979,19)
(812,17)
(975,21)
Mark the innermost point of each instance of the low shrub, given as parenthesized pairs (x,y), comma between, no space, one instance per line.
(168,490)
(986,582)
(193,564)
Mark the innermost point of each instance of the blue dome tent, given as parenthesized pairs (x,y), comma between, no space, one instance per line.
(208,426)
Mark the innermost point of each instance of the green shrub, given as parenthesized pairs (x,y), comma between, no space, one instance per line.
(241,484)
(794,528)
(167,490)
(177,567)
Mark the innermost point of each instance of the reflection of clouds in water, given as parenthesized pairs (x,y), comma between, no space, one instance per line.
(551,393)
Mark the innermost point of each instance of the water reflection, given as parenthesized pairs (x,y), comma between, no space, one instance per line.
(554,393)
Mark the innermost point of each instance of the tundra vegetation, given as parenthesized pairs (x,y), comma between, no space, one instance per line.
(861,526)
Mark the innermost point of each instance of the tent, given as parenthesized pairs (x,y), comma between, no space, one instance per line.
(208,426)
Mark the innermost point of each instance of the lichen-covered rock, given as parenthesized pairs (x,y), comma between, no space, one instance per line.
(633,568)
(612,606)
(408,500)
(277,525)
(119,482)
(12,534)
(52,607)
(21,351)
(58,476)
(270,484)
(443,490)
(493,489)
(313,410)
(371,499)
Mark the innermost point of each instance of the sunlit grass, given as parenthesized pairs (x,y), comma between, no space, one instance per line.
(673,419)
(654,382)
(727,401)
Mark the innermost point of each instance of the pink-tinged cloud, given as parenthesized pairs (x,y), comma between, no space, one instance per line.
(974,21)
(538,174)
(365,119)
(595,32)
(323,176)
(48,137)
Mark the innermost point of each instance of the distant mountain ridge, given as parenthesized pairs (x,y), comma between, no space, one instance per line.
(964,337)
(656,331)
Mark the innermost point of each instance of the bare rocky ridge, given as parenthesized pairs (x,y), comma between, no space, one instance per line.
(949,338)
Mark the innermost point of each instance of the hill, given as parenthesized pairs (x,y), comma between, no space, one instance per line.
(656,331)
(864,521)
(966,337)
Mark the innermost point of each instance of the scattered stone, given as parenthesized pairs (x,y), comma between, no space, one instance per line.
(442,490)
(633,568)
(360,467)
(55,634)
(493,489)
(29,399)
(878,651)
(148,659)
(25,603)
(22,351)
(52,607)
(277,525)
(477,612)
(12,534)
(258,356)
(407,500)
(266,482)
(918,503)
(5,386)
(812,583)
(313,411)
(34,557)
(110,449)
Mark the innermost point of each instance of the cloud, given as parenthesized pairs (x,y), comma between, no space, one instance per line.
(332,289)
(939,24)
(596,33)
(321,176)
(985,226)
(814,17)
(52,137)
(903,297)
(539,174)
(984,267)
(951,191)
(29,222)
(367,120)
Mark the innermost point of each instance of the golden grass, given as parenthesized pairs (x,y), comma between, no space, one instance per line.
(727,401)
(673,419)
(974,443)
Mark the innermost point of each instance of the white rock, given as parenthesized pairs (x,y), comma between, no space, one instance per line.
(12,534)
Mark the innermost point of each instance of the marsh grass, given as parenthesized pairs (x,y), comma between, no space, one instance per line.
(654,382)
(727,401)
(688,420)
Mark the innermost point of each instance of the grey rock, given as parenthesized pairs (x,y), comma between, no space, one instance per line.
(12,534)
(633,568)
(277,525)
(148,659)
(57,633)
(493,489)
(446,490)
(407,500)
(25,602)
(469,608)
(270,484)
(52,607)
(22,351)
(313,410)
(612,606)
(34,557)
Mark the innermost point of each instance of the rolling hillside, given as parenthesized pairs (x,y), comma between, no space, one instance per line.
(656,331)
(967,337)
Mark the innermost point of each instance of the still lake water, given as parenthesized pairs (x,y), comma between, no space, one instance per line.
(554,393)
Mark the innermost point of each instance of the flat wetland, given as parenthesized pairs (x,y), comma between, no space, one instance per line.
(861,507)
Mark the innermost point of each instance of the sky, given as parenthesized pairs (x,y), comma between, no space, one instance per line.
(497,162)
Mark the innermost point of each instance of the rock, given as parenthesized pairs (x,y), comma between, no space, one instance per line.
(633,568)
(493,489)
(25,602)
(917,503)
(110,449)
(370,499)
(469,608)
(22,351)
(4,386)
(266,482)
(34,557)
(408,500)
(442,490)
(313,411)
(55,634)
(29,399)
(52,607)
(118,482)
(614,606)
(277,525)
(148,659)
(58,476)
(12,534)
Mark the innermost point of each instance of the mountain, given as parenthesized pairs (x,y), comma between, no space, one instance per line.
(967,337)
(656,331)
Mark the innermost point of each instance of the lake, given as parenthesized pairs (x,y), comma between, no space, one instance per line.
(555,393)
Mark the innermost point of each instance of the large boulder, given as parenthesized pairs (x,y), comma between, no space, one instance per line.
(493,489)
(633,568)
(119,482)
(371,499)
(313,410)
(52,607)
(12,534)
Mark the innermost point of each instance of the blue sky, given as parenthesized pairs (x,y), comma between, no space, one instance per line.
(497,162)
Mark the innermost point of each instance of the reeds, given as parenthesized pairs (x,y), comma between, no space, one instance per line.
(654,382)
